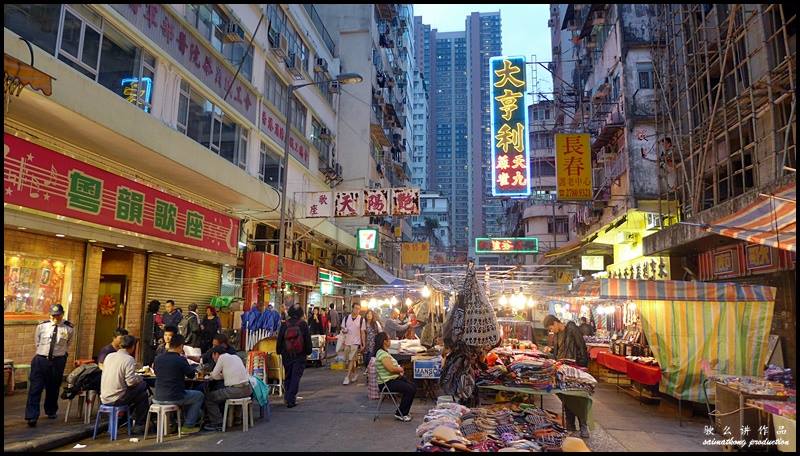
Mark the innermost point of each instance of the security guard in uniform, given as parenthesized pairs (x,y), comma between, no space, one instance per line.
(52,339)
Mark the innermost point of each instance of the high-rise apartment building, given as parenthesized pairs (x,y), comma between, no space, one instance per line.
(456,64)
(484,41)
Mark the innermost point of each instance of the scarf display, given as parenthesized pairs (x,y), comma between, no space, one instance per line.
(470,330)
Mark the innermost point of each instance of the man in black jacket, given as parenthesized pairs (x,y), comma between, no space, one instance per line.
(569,344)
(189,327)
(171,370)
(294,345)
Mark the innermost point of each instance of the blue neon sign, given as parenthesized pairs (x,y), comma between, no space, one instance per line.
(136,94)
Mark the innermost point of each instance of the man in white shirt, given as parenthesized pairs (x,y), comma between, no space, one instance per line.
(353,331)
(229,368)
(121,385)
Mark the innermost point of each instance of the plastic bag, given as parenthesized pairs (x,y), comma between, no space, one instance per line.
(340,343)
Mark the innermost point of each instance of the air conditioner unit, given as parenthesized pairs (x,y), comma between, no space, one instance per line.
(233,33)
(334,87)
(549,22)
(325,134)
(282,49)
(293,65)
(627,237)
(321,65)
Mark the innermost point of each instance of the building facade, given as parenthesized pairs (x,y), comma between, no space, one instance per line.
(149,168)
(377,42)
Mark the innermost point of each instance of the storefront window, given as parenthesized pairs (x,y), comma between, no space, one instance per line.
(33,284)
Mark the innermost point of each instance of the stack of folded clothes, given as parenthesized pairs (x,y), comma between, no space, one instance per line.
(570,378)
(780,375)
(536,373)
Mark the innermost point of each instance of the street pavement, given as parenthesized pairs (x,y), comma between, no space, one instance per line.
(334,417)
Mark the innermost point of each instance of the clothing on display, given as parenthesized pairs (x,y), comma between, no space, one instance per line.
(498,427)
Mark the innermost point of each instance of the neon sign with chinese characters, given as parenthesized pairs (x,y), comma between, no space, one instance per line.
(507,245)
(510,151)
(138,91)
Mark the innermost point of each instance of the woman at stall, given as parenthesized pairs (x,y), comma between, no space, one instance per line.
(373,327)
(315,322)
(209,328)
(390,373)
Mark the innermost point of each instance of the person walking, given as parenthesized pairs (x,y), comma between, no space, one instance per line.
(294,345)
(353,331)
(371,329)
(569,344)
(229,368)
(152,332)
(333,319)
(209,328)
(52,339)
(121,385)
(315,322)
(171,371)
(173,315)
(390,373)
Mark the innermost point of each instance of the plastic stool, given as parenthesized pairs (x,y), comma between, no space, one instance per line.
(247,417)
(86,401)
(161,411)
(113,412)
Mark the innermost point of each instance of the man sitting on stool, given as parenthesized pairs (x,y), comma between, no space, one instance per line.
(237,385)
(171,369)
(121,385)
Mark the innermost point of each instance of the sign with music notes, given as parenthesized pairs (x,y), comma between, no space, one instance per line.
(39,178)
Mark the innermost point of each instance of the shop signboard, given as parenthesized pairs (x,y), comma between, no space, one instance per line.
(319,204)
(642,268)
(326,275)
(367,239)
(39,178)
(507,245)
(405,201)
(592,263)
(415,253)
(573,167)
(376,202)
(138,92)
(427,368)
(326,288)
(509,127)
(349,203)
(758,256)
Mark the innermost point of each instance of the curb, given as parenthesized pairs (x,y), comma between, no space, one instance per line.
(42,444)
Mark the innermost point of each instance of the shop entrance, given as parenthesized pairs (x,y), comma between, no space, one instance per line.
(110,309)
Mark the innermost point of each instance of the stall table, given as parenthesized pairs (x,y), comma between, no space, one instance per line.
(580,401)
(596,349)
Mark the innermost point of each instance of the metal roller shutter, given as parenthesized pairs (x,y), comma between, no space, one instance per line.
(182,281)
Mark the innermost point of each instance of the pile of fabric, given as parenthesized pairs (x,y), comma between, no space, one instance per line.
(780,375)
(570,378)
(499,427)
(536,373)
(469,332)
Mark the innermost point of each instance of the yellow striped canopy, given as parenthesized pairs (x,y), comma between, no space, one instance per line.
(698,329)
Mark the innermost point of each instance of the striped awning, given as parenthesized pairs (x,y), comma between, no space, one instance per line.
(770,220)
(675,290)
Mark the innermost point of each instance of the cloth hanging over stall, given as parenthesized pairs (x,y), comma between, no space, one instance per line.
(470,330)
(697,329)
(770,220)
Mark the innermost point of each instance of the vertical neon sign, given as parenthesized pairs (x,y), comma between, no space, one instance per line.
(510,151)
(140,96)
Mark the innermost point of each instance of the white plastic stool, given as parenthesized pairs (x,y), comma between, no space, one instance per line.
(161,411)
(247,417)
(86,401)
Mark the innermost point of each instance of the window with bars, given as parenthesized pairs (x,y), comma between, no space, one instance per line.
(561,225)
(645,74)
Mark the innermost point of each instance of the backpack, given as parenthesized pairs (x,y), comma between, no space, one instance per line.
(183,326)
(294,340)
